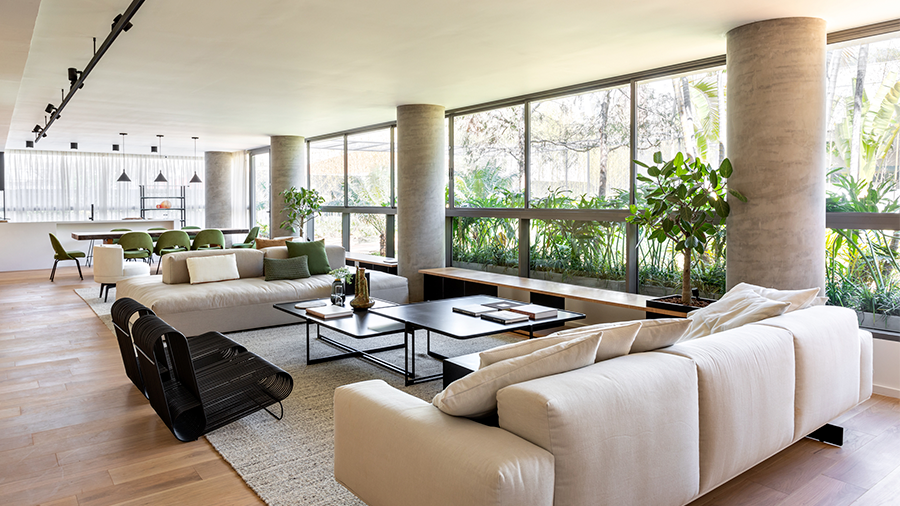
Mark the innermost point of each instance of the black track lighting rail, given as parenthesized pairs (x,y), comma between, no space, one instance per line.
(121,23)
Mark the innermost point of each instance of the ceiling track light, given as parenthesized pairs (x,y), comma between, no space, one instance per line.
(121,23)
(124,177)
(160,178)
(73,145)
(196,178)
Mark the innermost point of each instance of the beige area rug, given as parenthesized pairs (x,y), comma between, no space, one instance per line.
(290,462)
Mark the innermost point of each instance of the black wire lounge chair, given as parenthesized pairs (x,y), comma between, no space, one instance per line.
(195,391)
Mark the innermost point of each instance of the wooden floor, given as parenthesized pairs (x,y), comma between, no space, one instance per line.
(75,431)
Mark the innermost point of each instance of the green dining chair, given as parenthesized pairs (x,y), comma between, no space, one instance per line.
(171,241)
(137,245)
(62,254)
(191,230)
(210,238)
(155,228)
(249,241)
(116,241)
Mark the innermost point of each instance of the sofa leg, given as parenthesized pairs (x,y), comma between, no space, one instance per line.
(831,434)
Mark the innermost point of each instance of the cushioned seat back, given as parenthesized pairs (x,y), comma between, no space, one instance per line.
(175,271)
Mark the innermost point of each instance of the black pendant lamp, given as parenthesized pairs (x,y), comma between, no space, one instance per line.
(160,178)
(196,178)
(124,177)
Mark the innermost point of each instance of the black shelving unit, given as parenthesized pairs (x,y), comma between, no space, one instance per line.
(182,208)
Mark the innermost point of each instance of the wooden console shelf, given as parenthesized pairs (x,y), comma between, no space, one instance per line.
(454,282)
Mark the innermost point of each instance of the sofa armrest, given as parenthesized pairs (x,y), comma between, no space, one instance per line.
(393,449)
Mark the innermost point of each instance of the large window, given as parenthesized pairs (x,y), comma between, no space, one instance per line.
(489,158)
(259,170)
(354,172)
(863,156)
(580,154)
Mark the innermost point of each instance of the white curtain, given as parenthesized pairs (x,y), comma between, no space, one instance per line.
(62,186)
(240,189)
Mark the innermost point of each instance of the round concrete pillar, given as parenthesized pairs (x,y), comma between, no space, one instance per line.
(421,176)
(287,165)
(776,142)
(217,185)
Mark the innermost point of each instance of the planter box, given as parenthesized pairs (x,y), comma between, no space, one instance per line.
(878,321)
(682,308)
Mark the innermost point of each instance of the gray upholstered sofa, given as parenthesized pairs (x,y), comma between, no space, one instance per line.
(655,428)
(244,303)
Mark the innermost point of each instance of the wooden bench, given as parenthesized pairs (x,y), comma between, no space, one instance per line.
(446,282)
(372,262)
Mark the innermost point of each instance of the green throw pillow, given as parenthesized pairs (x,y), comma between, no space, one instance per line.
(318,260)
(286,268)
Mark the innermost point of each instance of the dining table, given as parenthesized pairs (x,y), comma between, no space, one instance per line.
(110,236)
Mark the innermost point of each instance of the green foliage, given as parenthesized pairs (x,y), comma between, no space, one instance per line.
(684,203)
(299,206)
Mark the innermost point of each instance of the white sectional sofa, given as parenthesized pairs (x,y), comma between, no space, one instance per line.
(657,428)
(244,303)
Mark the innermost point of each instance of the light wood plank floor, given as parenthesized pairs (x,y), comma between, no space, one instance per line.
(75,431)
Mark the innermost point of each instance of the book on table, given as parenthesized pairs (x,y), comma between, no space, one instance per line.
(504,304)
(505,317)
(473,309)
(535,311)
(310,303)
(329,312)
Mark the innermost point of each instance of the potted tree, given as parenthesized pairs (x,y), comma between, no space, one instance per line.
(299,206)
(684,203)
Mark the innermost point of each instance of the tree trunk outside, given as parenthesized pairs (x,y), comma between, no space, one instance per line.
(855,154)
(686,278)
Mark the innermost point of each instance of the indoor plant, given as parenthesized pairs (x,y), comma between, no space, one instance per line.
(685,203)
(299,206)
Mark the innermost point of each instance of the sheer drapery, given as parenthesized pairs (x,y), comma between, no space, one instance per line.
(62,186)
(240,189)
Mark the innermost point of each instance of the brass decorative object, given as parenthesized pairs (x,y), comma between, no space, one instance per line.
(362,300)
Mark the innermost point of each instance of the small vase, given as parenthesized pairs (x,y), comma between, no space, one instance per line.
(362,300)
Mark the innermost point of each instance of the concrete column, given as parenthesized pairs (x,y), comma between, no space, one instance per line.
(217,185)
(287,163)
(776,142)
(421,176)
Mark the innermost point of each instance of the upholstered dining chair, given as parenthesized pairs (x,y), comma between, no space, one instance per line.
(155,228)
(137,245)
(62,254)
(110,267)
(116,241)
(171,241)
(209,238)
(249,241)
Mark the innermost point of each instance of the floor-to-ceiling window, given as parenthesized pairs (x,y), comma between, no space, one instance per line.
(863,157)
(259,190)
(354,172)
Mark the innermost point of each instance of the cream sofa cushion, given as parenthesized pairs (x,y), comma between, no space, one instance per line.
(393,449)
(175,270)
(746,395)
(734,309)
(798,299)
(210,269)
(827,354)
(658,333)
(622,431)
(616,341)
(476,394)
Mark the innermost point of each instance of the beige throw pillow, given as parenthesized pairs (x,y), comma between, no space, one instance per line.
(212,268)
(658,333)
(617,339)
(734,311)
(798,299)
(476,394)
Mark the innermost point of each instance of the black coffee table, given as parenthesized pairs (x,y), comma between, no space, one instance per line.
(360,325)
(438,316)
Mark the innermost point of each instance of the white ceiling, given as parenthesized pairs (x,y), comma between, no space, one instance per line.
(235,72)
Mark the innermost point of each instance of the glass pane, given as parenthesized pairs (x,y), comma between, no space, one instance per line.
(863,145)
(580,151)
(659,267)
(862,272)
(368,234)
(369,168)
(486,244)
(683,113)
(489,158)
(588,253)
(326,169)
(328,227)
(261,193)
